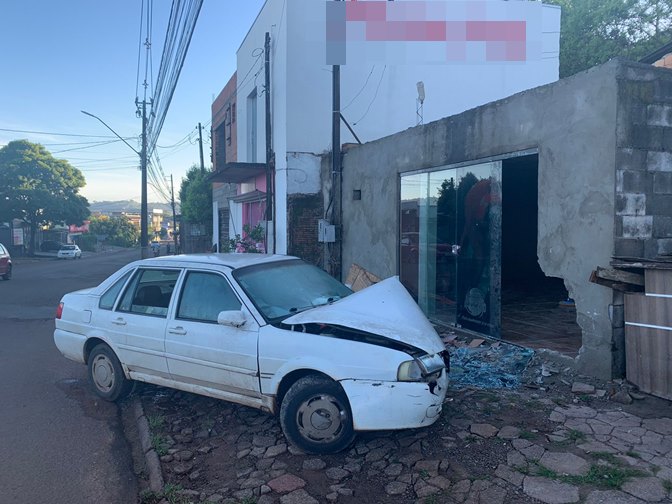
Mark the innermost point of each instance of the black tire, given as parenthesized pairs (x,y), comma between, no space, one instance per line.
(106,374)
(8,275)
(315,416)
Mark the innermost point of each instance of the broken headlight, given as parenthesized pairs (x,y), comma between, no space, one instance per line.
(422,368)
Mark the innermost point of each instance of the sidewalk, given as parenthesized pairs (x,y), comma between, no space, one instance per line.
(538,443)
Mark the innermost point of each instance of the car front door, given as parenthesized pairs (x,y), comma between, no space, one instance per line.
(202,352)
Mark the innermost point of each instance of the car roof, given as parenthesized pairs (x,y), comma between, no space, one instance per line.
(232,261)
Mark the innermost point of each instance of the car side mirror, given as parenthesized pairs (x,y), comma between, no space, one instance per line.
(233,318)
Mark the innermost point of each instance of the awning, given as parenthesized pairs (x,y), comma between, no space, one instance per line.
(237,173)
(249,197)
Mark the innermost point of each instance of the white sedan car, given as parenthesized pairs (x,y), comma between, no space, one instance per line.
(266,331)
(69,252)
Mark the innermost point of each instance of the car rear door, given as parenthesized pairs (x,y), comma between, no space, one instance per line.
(140,318)
(202,352)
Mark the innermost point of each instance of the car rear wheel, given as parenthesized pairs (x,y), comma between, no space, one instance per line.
(315,415)
(8,275)
(106,374)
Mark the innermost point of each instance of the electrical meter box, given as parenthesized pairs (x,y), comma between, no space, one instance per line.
(326,233)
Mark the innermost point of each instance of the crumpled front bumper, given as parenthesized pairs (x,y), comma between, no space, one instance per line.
(384,405)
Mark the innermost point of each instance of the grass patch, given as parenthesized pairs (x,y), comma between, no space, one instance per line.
(611,477)
(155,422)
(667,485)
(424,474)
(525,434)
(575,435)
(159,444)
(170,493)
(607,457)
(633,454)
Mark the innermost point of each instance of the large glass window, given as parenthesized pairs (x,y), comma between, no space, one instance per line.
(450,244)
(204,295)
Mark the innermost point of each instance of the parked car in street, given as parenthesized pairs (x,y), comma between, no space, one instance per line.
(50,246)
(267,331)
(5,263)
(69,252)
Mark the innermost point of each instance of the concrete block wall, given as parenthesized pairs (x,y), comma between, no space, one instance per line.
(643,220)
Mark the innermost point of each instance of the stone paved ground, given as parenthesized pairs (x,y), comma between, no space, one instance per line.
(489,447)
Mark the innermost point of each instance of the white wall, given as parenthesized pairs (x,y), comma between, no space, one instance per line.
(450,88)
(377,100)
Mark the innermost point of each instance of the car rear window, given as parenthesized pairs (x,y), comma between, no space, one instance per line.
(107,300)
(68,247)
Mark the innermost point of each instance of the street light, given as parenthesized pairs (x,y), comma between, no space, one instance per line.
(144,240)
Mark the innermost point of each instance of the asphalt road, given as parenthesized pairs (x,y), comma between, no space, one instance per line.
(58,442)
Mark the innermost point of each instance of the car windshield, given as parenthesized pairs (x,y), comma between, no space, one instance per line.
(284,288)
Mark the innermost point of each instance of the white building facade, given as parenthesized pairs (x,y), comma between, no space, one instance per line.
(377,98)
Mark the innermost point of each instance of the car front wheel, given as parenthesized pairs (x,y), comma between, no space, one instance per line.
(315,415)
(106,374)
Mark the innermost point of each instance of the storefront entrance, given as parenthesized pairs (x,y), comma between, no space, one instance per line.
(450,244)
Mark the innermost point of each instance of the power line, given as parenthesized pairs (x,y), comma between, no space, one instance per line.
(55,134)
(374,97)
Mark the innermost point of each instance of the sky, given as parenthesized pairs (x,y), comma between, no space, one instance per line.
(61,57)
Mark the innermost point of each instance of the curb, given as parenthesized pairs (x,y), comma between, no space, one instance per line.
(151,458)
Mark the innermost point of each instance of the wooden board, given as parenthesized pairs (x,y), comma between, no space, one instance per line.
(648,350)
(658,281)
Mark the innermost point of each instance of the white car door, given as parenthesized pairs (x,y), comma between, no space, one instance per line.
(140,318)
(201,351)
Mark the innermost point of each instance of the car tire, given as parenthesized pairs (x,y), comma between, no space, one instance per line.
(8,275)
(107,375)
(315,416)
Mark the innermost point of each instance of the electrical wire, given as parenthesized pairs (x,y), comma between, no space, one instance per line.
(373,99)
(137,73)
(56,134)
(360,91)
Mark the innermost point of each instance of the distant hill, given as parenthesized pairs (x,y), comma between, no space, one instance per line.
(129,206)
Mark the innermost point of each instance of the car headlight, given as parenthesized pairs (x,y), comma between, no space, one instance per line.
(421,368)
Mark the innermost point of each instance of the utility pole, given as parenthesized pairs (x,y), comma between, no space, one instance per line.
(269,146)
(144,238)
(144,242)
(172,204)
(337,176)
(200,146)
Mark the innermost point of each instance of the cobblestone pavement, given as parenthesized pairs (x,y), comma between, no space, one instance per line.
(489,447)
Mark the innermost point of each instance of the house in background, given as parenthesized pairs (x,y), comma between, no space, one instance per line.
(661,57)
(377,99)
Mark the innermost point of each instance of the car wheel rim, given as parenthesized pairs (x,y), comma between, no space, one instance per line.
(103,373)
(321,418)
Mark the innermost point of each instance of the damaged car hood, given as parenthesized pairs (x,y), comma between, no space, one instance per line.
(385,309)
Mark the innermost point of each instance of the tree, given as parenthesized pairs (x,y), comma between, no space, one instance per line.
(196,197)
(118,231)
(594,31)
(38,188)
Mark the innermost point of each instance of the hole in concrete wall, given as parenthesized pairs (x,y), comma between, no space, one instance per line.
(356,194)
(534,307)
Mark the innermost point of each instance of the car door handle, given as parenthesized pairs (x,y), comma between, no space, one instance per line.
(177,330)
(119,321)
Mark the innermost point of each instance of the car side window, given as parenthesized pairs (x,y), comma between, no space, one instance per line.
(204,295)
(149,292)
(107,300)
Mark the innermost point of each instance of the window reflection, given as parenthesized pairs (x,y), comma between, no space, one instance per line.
(449,244)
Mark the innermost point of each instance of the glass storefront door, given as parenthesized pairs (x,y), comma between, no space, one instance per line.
(450,241)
